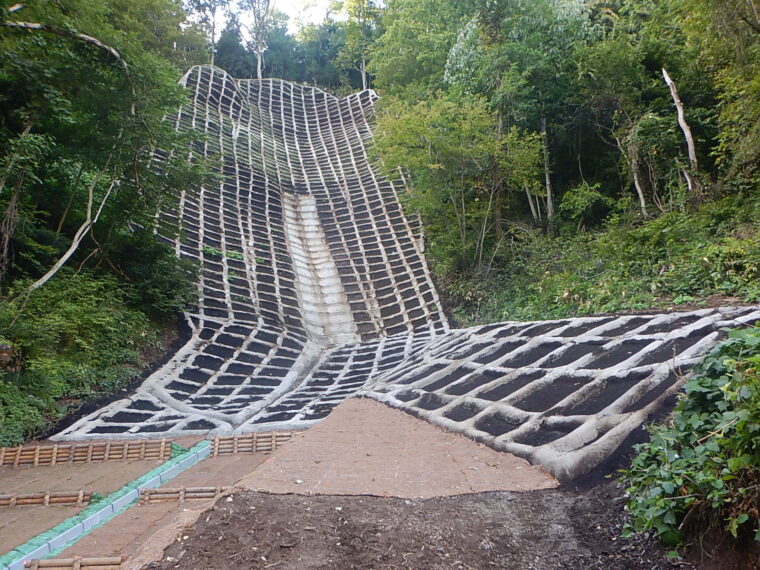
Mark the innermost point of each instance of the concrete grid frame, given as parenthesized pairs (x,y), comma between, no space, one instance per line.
(314,288)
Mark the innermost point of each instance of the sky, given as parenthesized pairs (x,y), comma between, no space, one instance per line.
(302,11)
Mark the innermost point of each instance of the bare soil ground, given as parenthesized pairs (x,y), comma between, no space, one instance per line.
(19,524)
(540,530)
(367,448)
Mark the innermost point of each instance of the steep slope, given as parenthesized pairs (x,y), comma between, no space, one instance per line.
(314,288)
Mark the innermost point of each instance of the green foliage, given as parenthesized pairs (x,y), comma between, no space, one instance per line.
(726,33)
(410,56)
(580,202)
(319,48)
(231,54)
(676,258)
(208,250)
(704,465)
(76,338)
(450,146)
(155,281)
(21,414)
(361,31)
(77,171)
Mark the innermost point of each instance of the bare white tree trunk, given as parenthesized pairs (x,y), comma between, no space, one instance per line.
(633,163)
(213,35)
(637,184)
(261,12)
(682,121)
(692,178)
(536,215)
(363,71)
(547,172)
(259,63)
(89,221)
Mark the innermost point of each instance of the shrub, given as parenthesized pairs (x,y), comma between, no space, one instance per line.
(75,338)
(702,468)
(153,279)
(675,258)
(21,415)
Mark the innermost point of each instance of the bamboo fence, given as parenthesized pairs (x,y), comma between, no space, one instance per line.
(85,452)
(77,563)
(47,498)
(249,443)
(180,494)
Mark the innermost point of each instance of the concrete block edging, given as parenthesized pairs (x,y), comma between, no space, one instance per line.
(55,540)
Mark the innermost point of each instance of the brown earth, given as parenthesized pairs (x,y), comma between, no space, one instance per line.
(19,524)
(367,448)
(541,530)
(144,530)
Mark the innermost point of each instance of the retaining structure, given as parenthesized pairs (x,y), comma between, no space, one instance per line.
(180,494)
(85,452)
(249,443)
(46,498)
(97,513)
(314,288)
(77,563)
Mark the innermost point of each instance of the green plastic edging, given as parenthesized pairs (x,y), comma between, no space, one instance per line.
(22,551)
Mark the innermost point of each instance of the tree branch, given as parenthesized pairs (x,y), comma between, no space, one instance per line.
(90,40)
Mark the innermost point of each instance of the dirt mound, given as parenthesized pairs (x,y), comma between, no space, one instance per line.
(538,530)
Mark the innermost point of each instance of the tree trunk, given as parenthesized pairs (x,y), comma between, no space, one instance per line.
(692,178)
(71,200)
(12,161)
(497,215)
(632,158)
(547,174)
(8,228)
(259,63)
(79,236)
(682,121)
(213,35)
(363,71)
(637,184)
(536,215)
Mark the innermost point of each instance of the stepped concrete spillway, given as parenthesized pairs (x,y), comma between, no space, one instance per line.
(314,288)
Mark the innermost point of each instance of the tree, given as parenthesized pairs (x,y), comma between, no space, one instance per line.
(231,54)
(363,17)
(411,53)
(283,54)
(209,12)
(160,27)
(621,82)
(319,45)
(96,143)
(726,33)
(261,12)
(449,148)
(514,52)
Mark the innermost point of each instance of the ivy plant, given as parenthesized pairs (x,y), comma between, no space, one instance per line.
(704,464)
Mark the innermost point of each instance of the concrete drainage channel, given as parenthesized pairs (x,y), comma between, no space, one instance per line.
(96,514)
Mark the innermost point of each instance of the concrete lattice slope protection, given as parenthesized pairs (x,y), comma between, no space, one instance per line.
(314,288)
